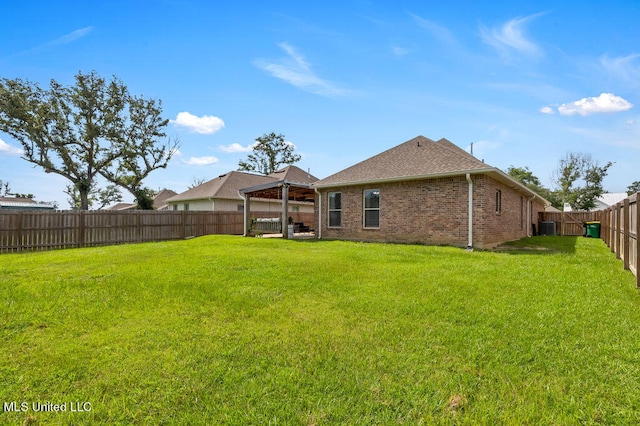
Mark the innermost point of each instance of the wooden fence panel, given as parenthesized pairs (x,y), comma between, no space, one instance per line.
(570,223)
(33,230)
(622,223)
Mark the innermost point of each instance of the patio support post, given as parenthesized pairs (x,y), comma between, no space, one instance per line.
(285,211)
(247,215)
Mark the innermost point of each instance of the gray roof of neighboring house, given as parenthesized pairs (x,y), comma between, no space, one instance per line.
(418,158)
(224,186)
(24,203)
(611,198)
(228,184)
(160,200)
(122,206)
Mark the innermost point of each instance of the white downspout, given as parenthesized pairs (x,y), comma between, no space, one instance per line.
(319,213)
(470,242)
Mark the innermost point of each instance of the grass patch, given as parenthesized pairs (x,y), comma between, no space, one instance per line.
(230,330)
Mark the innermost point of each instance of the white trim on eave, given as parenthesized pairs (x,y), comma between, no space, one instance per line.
(497,173)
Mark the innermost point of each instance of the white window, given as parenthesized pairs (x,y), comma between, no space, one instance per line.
(372,208)
(335,209)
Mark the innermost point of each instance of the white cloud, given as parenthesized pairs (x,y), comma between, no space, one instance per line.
(439,32)
(625,68)
(547,110)
(606,102)
(5,148)
(511,37)
(296,71)
(72,36)
(236,147)
(201,161)
(207,124)
(400,51)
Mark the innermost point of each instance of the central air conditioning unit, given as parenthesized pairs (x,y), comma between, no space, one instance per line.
(547,228)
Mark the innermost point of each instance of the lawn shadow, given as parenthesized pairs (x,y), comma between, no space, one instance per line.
(540,245)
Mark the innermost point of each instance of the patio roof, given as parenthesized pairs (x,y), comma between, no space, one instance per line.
(273,190)
(279,190)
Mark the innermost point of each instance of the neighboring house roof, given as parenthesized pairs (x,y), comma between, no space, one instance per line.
(224,186)
(609,199)
(24,203)
(160,200)
(228,184)
(122,206)
(418,158)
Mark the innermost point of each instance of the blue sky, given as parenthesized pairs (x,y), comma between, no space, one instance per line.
(525,82)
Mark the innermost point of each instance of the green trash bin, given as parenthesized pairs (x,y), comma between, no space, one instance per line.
(593,229)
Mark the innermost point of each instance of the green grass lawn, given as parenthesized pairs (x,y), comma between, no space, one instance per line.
(231,330)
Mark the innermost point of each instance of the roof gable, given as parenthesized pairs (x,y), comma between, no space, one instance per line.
(418,157)
(293,174)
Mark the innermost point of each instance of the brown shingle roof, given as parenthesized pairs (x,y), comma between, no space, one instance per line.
(224,186)
(418,157)
(294,174)
(228,184)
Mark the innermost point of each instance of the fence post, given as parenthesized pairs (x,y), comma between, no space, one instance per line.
(637,239)
(19,232)
(184,224)
(616,235)
(603,226)
(625,239)
(81,229)
(612,227)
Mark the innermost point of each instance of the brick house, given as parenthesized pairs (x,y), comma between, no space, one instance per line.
(427,192)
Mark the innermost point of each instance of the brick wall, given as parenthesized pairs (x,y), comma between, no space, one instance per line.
(512,222)
(432,212)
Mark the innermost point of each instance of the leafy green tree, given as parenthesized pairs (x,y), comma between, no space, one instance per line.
(633,188)
(528,179)
(141,154)
(97,197)
(270,152)
(89,129)
(579,180)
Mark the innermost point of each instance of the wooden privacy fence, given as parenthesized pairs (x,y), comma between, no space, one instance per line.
(569,223)
(619,229)
(33,230)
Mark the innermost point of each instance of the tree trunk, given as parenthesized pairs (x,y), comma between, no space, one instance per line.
(84,199)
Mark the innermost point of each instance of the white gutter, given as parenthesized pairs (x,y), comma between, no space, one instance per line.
(319,213)
(470,242)
(404,178)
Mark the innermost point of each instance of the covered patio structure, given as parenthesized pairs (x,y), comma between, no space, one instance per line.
(279,190)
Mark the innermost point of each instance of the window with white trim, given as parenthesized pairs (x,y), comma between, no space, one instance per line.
(371,211)
(498,201)
(335,209)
